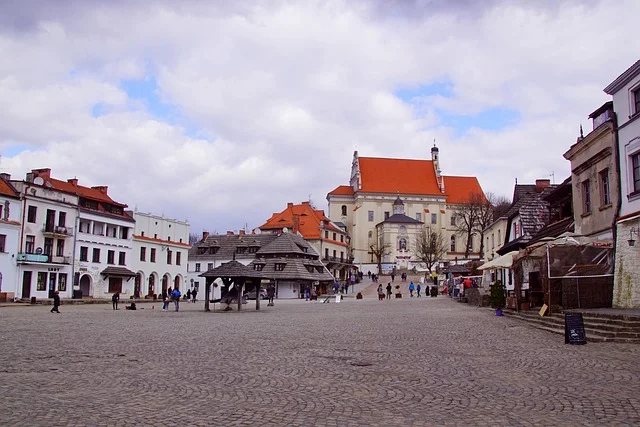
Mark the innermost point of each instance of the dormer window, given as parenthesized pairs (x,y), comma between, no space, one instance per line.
(310,268)
(202,251)
(240,250)
(279,266)
(213,250)
(258,267)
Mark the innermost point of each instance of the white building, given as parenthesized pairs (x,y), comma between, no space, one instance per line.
(160,254)
(103,240)
(45,254)
(10,217)
(626,104)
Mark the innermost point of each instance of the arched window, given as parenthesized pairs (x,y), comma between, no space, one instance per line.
(344,209)
(402,244)
(403,229)
(453,243)
(370,234)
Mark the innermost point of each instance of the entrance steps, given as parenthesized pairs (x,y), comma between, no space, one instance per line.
(598,327)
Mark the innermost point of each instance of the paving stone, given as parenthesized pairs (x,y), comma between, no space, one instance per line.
(427,361)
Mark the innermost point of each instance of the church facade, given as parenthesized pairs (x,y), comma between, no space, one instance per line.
(389,201)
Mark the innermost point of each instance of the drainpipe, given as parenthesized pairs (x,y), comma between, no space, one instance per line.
(24,210)
(614,226)
(76,227)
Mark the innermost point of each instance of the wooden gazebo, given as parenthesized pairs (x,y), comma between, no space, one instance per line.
(233,273)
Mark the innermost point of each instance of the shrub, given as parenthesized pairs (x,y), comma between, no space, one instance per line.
(497,297)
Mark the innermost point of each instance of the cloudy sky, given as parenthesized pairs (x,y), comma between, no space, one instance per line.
(222,112)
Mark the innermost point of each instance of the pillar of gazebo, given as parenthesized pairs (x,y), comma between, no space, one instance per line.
(207,292)
(257,286)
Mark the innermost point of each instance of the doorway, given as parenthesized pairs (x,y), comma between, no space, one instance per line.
(26,284)
(85,285)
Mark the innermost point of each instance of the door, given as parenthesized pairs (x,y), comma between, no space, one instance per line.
(85,285)
(536,293)
(52,284)
(50,221)
(26,284)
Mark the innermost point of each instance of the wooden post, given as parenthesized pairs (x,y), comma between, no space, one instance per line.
(257,281)
(240,286)
(207,290)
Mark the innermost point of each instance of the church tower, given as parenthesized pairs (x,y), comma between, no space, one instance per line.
(435,153)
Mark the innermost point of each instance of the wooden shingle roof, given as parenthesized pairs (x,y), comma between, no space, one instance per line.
(233,269)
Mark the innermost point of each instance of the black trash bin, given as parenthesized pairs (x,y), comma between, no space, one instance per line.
(33,300)
(77,294)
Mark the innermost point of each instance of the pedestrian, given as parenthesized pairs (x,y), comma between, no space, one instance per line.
(393,276)
(412,287)
(114,300)
(194,295)
(56,302)
(418,288)
(188,295)
(336,286)
(342,288)
(380,293)
(271,292)
(388,290)
(346,288)
(369,274)
(314,294)
(307,293)
(175,294)
(165,303)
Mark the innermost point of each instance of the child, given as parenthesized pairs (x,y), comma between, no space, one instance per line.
(165,306)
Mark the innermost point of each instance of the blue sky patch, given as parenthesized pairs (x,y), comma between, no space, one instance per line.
(14,150)
(146,90)
(491,119)
(407,94)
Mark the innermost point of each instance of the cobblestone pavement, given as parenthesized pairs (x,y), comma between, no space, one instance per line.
(427,361)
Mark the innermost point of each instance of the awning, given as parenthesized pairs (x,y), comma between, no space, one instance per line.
(117,271)
(504,261)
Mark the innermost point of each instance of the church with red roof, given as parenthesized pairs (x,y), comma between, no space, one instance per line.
(366,208)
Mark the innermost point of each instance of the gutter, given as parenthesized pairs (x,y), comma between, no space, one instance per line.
(614,227)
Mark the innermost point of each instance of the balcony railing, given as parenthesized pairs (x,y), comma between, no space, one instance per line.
(57,230)
(24,257)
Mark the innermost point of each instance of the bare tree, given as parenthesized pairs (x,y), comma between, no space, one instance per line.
(194,238)
(501,205)
(430,247)
(466,217)
(485,216)
(379,252)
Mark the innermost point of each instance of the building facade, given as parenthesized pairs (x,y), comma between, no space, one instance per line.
(625,91)
(428,197)
(160,254)
(594,176)
(45,255)
(330,240)
(10,222)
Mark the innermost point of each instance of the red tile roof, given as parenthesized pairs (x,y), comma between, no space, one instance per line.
(381,175)
(459,188)
(7,189)
(342,190)
(309,221)
(82,191)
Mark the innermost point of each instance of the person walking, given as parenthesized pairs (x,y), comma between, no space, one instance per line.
(188,295)
(114,300)
(412,287)
(388,290)
(380,293)
(271,293)
(307,293)
(194,295)
(346,288)
(165,303)
(418,288)
(176,298)
(56,302)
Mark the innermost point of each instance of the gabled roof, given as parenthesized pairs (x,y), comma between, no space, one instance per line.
(225,246)
(233,269)
(287,243)
(400,219)
(6,189)
(309,221)
(342,190)
(294,269)
(459,188)
(383,175)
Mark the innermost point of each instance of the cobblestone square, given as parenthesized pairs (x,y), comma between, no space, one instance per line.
(394,363)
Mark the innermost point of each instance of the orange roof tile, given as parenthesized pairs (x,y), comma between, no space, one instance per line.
(459,188)
(382,175)
(342,190)
(82,191)
(7,189)
(309,220)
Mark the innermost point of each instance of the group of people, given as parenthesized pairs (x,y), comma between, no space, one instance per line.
(343,289)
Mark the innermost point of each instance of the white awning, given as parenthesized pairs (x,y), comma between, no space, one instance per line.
(504,261)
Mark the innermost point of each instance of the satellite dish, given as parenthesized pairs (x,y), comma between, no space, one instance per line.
(38,180)
(285,230)
(38,251)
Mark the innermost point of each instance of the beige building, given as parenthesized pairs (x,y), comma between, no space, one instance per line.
(428,197)
(494,236)
(594,176)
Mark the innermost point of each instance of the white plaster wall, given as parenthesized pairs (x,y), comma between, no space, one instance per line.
(626,282)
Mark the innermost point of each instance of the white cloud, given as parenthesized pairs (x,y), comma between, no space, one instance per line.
(280,94)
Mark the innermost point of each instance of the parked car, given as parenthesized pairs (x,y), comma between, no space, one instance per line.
(252,294)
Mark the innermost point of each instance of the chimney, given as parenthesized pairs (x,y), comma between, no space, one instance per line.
(44,173)
(5,176)
(29,177)
(289,205)
(229,233)
(73,181)
(296,224)
(541,184)
(101,188)
(306,203)
(241,233)
(205,234)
